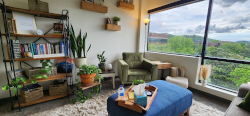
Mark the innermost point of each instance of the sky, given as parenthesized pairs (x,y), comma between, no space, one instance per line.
(230,20)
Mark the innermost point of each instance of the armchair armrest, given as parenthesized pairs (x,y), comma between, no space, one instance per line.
(122,70)
(243,90)
(150,67)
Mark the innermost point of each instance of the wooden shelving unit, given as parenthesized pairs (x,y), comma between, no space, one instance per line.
(93,7)
(30,59)
(58,76)
(45,36)
(112,27)
(125,5)
(35,13)
(62,17)
(46,97)
(95,84)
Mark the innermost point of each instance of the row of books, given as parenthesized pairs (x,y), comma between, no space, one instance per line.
(38,50)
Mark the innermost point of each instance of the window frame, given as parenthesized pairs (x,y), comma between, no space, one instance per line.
(203,52)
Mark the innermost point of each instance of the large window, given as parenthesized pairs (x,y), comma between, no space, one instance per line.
(181,30)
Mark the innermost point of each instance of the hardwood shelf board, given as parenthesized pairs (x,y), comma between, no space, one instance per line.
(45,36)
(125,5)
(58,76)
(35,13)
(95,84)
(30,59)
(43,99)
(113,27)
(93,7)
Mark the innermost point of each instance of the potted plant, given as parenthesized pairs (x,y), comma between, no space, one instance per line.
(205,73)
(88,74)
(102,61)
(15,84)
(78,46)
(116,20)
(137,82)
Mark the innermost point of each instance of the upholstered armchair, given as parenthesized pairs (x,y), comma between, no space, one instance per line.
(134,66)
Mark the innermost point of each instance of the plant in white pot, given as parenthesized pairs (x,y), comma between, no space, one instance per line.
(78,47)
(116,20)
(205,73)
(102,61)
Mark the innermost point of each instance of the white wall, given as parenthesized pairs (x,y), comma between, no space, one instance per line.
(192,67)
(113,42)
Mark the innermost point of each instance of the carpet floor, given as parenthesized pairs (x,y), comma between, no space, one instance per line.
(97,106)
(197,109)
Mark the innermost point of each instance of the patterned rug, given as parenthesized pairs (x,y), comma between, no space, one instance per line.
(97,106)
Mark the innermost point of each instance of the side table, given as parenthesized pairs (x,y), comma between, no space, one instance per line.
(162,66)
(109,73)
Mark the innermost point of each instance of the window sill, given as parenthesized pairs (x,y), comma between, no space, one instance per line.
(217,89)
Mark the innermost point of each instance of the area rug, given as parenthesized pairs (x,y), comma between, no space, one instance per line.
(97,106)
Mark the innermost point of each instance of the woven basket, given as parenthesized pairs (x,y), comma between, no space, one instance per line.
(31,95)
(57,88)
(38,5)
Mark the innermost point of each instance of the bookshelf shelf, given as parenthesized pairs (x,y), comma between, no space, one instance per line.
(35,13)
(125,5)
(29,59)
(46,97)
(45,36)
(58,76)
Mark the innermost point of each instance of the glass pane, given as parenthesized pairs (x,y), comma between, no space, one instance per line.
(230,30)
(178,30)
(228,75)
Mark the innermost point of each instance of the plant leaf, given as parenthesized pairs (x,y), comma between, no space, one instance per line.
(45,76)
(33,81)
(19,86)
(6,87)
(15,90)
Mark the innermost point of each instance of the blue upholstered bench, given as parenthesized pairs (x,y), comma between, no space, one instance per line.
(170,100)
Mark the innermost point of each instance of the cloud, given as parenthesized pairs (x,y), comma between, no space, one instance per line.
(197,30)
(228,3)
(227,29)
(241,19)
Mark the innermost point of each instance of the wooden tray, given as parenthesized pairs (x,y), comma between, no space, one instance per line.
(135,107)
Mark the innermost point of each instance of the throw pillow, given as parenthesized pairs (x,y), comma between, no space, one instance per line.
(245,104)
(177,72)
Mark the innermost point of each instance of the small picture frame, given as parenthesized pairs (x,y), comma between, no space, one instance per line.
(108,21)
(19,73)
(58,27)
(92,1)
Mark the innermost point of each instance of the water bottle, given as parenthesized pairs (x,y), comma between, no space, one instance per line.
(121,92)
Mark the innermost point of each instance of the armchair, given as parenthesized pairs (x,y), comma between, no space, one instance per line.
(134,66)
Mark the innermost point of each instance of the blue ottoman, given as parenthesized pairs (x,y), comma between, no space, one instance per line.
(170,100)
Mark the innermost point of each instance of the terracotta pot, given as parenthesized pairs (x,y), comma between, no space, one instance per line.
(87,79)
(80,61)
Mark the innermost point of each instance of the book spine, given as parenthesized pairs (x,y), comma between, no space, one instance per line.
(46,50)
(21,46)
(31,49)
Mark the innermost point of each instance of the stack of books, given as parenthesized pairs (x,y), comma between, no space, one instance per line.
(38,50)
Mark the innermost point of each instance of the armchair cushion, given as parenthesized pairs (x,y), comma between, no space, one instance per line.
(138,74)
(245,104)
(134,60)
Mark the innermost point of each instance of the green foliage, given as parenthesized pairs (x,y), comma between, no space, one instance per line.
(116,18)
(15,84)
(240,75)
(80,94)
(101,57)
(137,82)
(78,44)
(88,69)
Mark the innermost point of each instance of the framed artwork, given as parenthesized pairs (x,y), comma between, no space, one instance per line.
(19,73)
(108,21)
(58,26)
(25,23)
(92,1)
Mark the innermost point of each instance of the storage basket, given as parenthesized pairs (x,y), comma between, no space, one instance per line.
(37,70)
(31,94)
(38,5)
(57,88)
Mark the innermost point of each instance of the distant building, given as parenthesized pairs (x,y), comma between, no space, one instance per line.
(158,36)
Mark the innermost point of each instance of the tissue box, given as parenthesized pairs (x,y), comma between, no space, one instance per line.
(141,100)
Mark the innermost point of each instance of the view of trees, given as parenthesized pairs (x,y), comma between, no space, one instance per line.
(225,74)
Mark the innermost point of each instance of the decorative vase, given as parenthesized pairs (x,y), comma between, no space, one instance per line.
(87,79)
(204,83)
(116,22)
(102,66)
(80,61)
(109,66)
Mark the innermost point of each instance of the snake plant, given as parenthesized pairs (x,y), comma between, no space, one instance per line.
(78,44)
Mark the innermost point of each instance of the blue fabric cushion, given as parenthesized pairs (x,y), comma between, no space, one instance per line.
(170,100)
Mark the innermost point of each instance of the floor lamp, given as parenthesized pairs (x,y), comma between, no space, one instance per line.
(146,21)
